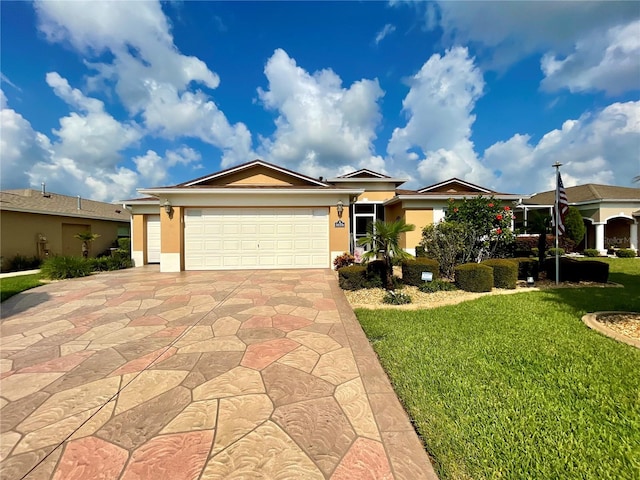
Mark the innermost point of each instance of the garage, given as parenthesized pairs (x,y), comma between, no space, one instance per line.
(256,238)
(153,238)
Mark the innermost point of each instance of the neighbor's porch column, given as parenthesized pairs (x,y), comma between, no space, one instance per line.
(600,238)
(633,235)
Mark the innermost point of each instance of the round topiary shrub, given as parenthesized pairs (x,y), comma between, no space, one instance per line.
(474,277)
(625,253)
(505,272)
(412,270)
(591,252)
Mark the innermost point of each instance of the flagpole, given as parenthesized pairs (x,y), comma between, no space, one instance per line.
(557,166)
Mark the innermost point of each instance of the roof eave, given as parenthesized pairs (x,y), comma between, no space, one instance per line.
(248,191)
(63,214)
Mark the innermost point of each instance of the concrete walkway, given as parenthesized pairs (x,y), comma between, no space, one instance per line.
(197,375)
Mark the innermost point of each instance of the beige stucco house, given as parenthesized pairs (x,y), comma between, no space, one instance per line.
(611,214)
(260,215)
(38,223)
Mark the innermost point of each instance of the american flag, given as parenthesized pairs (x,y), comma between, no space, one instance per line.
(563,205)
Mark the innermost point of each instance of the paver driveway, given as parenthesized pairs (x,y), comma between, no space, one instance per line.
(146,375)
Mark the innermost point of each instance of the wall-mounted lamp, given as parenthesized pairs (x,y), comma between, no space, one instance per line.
(168,207)
(340,208)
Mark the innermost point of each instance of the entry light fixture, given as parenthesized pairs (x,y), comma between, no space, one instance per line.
(340,208)
(168,207)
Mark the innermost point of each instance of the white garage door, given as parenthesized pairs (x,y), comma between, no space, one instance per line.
(246,238)
(153,238)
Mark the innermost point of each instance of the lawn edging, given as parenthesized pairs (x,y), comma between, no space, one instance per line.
(591,321)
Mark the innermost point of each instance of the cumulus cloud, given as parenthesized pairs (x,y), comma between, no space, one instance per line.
(21,147)
(436,140)
(151,77)
(321,125)
(388,29)
(154,169)
(609,62)
(600,147)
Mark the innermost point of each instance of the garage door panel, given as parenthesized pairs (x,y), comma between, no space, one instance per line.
(229,238)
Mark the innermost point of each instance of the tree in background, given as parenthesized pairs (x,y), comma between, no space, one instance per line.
(574,225)
(486,224)
(87,238)
(383,239)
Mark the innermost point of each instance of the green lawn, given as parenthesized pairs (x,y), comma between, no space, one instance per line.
(11,286)
(516,386)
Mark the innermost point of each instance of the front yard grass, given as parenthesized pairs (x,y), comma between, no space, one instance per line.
(516,386)
(10,286)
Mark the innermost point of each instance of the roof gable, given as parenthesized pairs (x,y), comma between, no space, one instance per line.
(255,174)
(364,173)
(455,186)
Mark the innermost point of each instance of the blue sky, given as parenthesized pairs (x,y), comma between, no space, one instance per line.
(99,99)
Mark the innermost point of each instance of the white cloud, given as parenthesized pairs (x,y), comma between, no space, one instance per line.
(609,62)
(386,30)
(154,169)
(151,77)
(603,147)
(436,140)
(321,125)
(21,147)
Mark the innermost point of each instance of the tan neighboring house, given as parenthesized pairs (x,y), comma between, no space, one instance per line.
(611,214)
(37,223)
(259,215)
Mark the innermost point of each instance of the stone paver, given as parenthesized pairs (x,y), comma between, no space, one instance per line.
(214,375)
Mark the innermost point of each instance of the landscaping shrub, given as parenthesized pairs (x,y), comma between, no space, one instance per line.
(591,252)
(20,263)
(412,270)
(343,260)
(118,261)
(552,252)
(526,244)
(474,277)
(353,277)
(420,252)
(396,298)
(124,244)
(58,268)
(594,271)
(625,253)
(376,274)
(527,267)
(575,271)
(505,272)
(437,286)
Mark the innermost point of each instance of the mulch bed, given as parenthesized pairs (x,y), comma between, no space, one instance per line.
(624,323)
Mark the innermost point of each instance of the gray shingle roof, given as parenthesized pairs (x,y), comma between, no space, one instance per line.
(591,192)
(32,201)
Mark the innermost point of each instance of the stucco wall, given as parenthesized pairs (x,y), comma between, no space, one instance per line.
(338,237)
(419,218)
(19,233)
(376,196)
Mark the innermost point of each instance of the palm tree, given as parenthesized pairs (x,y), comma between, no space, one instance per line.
(384,240)
(87,238)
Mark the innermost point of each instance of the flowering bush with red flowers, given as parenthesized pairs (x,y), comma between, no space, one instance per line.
(487,226)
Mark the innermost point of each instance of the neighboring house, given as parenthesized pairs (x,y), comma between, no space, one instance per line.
(37,223)
(611,214)
(259,215)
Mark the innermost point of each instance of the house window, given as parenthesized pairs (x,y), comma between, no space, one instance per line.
(362,216)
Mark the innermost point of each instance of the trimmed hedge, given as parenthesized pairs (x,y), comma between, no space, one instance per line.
(505,272)
(353,277)
(527,267)
(474,277)
(591,252)
(575,271)
(552,252)
(412,270)
(356,277)
(625,253)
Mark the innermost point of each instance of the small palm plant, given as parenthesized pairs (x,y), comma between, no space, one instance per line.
(87,238)
(384,241)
